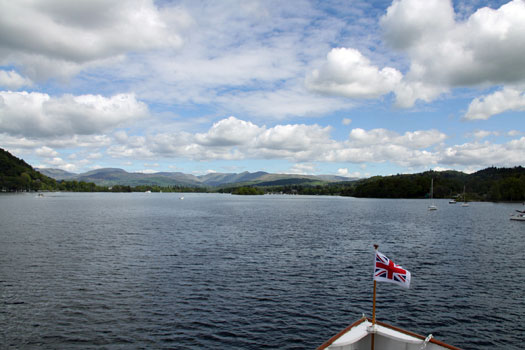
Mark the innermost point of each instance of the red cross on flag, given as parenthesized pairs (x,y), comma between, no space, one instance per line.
(385,270)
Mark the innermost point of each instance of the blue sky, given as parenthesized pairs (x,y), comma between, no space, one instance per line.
(351,88)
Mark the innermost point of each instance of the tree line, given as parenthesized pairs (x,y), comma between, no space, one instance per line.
(490,184)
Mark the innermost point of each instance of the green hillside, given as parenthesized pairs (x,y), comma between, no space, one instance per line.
(17,175)
(491,184)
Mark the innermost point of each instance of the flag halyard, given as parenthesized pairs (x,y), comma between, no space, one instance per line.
(385,270)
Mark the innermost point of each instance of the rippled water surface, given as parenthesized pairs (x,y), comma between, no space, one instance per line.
(151,271)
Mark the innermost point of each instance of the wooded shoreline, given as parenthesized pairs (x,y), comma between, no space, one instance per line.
(490,184)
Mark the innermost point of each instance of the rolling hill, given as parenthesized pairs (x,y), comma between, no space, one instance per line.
(115,176)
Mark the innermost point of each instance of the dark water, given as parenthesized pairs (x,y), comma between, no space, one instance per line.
(150,271)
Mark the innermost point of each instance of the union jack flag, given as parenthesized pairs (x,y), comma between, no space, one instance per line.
(385,270)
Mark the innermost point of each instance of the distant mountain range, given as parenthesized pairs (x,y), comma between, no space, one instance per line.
(115,176)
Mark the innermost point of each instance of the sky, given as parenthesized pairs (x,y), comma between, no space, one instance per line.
(349,88)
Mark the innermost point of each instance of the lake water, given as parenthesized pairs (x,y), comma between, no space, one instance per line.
(213,271)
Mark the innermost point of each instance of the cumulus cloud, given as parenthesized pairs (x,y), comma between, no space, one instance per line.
(485,154)
(507,99)
(348,73)
(286,102)
(57,162)
(344,172)
(381,145)
(443,53)
(415,139)
(408,23)
(34,114)
(46,152)
(293,137)
(13,80)
(302,169)
(249,58)
(57,36)
(234,139)
(513,133)
(304,145)
(229,132)
(481,134)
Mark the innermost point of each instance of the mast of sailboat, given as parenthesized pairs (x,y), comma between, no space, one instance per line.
(374,307)
(432,190)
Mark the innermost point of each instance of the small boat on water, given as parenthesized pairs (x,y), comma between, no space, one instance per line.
(452,201)
(386,337)
(520,216)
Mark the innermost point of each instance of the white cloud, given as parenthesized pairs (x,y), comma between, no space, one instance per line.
(40,115)
(294,138)
(355,174)
(381,145)
(485,154)
(286,102)
(513,133)
(445,53)
(229,132)
(408,92)
(46,152)
(248,57)
(439,168)
(303,169)
(342,171)
(57,162)
(147,171)
(481,134)
(346,121)
(13,80)
(235,139)
(348,73)
(56,37)
(507,99)
(96,155)
(408,23)
(415,139)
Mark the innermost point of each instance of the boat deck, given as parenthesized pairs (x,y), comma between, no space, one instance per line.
(359,336)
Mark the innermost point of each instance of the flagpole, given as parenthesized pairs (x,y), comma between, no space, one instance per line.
(374,307)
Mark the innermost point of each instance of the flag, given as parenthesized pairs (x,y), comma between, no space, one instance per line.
(385,270)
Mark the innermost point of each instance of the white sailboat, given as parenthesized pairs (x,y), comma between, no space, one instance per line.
(432,205)
(464,204)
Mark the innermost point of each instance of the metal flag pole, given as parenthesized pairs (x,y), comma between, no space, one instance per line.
(374,305)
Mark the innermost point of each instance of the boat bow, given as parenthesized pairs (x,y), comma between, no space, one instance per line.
(359,334)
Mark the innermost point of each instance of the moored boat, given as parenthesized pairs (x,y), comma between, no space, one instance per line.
(385,337)
(432,206)
(465,203)
(519,216)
